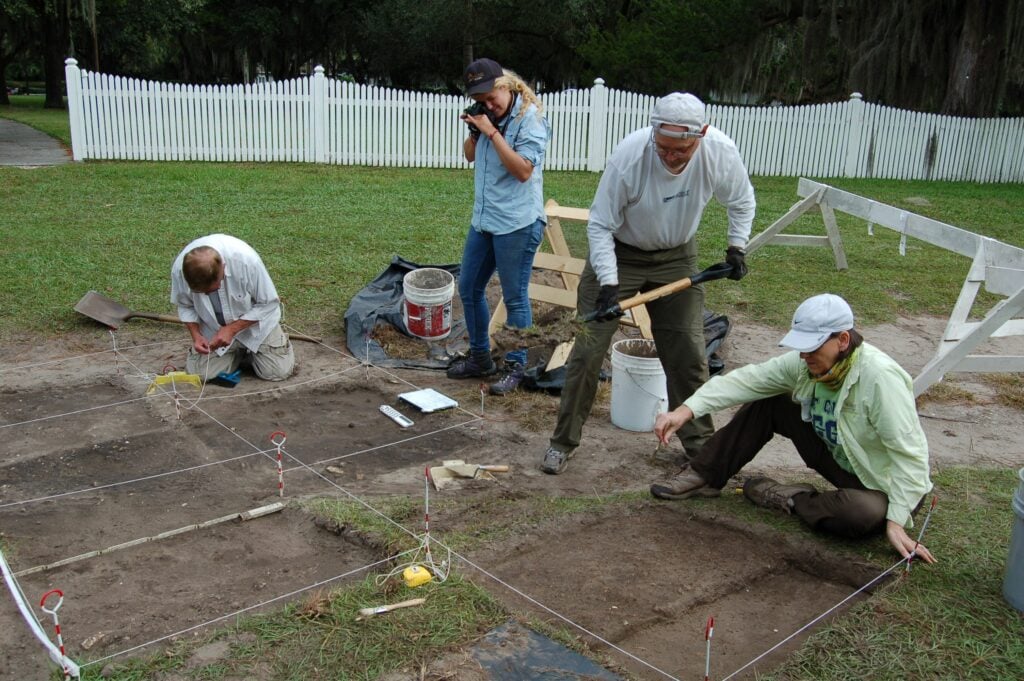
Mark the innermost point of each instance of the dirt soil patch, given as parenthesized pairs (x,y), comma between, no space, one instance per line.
(88,460)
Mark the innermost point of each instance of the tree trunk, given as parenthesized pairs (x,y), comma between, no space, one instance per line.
(467,35)
(55,18)
(975,69)
(4,99)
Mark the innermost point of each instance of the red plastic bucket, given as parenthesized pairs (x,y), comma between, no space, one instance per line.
(427,309)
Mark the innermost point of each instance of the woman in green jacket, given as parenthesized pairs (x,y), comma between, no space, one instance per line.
(849,410)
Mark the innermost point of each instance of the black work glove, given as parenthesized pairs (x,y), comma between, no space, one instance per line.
(607,306)
(736,256)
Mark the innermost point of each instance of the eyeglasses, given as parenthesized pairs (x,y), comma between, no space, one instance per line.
(664,151)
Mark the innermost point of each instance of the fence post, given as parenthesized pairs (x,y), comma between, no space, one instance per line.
(319,115)
(854,133)
(597,125)
(73,78)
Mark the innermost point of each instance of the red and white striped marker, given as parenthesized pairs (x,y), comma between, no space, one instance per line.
(426,514)
(280,461)
(708,633)
(56,622)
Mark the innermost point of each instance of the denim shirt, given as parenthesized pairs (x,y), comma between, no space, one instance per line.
(501,203)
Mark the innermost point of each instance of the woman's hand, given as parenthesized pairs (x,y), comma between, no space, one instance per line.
(667,424)
(482,123)
(902,542)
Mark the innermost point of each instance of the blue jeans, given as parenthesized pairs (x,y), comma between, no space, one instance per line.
(512,256)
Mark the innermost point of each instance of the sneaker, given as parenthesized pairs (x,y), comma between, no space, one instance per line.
(555,461)
(768,493)
(683,485)
(472,366)
(510,381)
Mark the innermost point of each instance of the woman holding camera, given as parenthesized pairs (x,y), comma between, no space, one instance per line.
(508,136)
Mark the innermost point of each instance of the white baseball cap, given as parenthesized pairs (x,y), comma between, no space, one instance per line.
(816,320)
(679,108)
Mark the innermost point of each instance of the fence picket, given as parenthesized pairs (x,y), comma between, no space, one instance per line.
(1014,153)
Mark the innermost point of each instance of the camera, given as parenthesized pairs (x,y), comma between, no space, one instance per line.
(475,109)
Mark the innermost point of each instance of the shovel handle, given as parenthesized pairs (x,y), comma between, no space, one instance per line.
(495,468)
(718,271)
(170,319)
(304,337)
(155,317)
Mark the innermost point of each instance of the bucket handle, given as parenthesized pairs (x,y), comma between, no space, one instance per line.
(643,389)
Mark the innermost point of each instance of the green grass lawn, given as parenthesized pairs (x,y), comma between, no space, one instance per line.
(326,231)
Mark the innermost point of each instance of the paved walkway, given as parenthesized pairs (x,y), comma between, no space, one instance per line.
(26,147)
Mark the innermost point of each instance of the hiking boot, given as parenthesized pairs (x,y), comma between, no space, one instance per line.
(510,381)
(768,493)
(683,485)
(555,461)
(474,365)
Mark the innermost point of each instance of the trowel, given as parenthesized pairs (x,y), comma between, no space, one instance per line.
(452,470)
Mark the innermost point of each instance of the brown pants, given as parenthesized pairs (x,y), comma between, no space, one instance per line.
(850,511)
(677,321)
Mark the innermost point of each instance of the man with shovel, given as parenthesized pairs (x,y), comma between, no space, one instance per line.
(230,306)
(642,233)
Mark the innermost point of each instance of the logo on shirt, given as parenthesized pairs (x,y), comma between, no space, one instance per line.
(682,193)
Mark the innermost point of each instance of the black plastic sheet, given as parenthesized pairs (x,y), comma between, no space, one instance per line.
(380,303)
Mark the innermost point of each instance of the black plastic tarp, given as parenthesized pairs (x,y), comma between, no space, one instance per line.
(381,301)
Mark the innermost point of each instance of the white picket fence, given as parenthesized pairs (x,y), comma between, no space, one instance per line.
(322,120)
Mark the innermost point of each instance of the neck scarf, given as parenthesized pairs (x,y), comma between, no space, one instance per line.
(834,377)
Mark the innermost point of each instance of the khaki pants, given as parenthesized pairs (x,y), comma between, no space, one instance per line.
(274,361)
(677,322)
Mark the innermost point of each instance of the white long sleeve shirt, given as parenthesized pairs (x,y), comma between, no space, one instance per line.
(247,292)
(640,203)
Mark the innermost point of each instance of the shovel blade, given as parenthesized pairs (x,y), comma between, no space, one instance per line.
(102,309)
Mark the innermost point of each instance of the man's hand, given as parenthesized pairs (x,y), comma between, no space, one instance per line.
(668,423)
(201,346)
(199,343)
(606,307)
(226,334)
(223,337)
(903,544)
(737,257)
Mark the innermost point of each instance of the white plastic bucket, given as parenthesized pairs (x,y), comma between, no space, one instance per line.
(639,392)
(427,310)
(1013,583)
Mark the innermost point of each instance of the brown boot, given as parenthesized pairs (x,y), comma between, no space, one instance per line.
(683,485)
(768,493)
